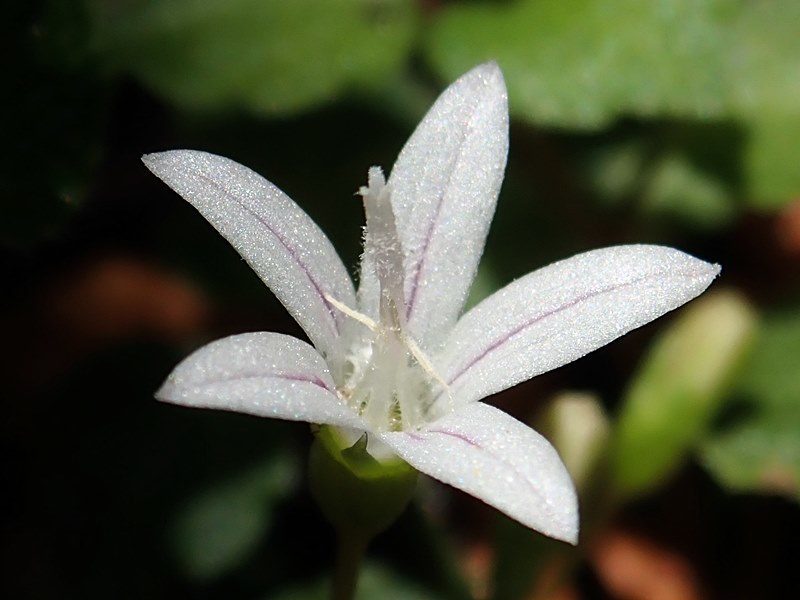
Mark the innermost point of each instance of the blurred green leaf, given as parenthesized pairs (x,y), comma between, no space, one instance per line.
(270,56)
(764,62)
(762,455)
(221,526)
(576,424)
(772,160)
(678,390)
(682,171)
(678,189)
(614,171)
(764,57)
(762,451)
(375,582)
(771,376)
(583,63)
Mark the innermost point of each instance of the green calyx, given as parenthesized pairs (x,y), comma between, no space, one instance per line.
(357,493)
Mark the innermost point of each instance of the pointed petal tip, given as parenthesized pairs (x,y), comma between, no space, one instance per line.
(572,539)
(150,160)
(155,157)
(703,273)
(158,162)
(570,532)
(162,393)
(488,74)
(170,393)
(713,271)
(488,69)
(564,524)
(694,273)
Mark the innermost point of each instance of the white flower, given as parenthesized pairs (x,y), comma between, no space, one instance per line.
(396,358)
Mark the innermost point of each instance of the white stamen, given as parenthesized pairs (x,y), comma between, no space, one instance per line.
(423,361)
(383,386)
(353,314)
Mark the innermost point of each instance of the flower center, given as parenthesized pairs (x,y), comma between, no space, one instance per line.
(387,385)
(388,380)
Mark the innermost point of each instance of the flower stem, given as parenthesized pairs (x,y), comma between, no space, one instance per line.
(352,545)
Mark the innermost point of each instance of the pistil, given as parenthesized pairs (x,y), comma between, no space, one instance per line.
(391,383)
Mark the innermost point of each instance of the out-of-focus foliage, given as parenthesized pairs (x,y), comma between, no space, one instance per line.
(577,425)
(679,188)
(269,56)
(221,526)
(771,167)
(376,582)
(760,451)
(585,63)
(678,171)
(678,390)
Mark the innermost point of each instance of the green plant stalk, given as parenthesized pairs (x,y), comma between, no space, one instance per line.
(351,550)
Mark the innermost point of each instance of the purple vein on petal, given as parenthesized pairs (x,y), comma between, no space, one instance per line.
(284,243)
(417,268)
(305,379)
(420,262)
(298,377)
(520,328)
(460,436)
(475,444)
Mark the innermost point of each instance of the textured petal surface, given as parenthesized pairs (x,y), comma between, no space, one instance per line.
(492,456)
(563,311)
(444,191)
(279,241)
(262,374)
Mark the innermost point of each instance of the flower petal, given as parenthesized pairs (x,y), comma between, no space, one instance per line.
(444,191)
(563,311)
(492,456)
(262,374)
(277,239)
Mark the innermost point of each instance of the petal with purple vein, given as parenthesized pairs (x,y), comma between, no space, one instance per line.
(564,311)
(279,241)
(492,456)
(444,189)
(263,374)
